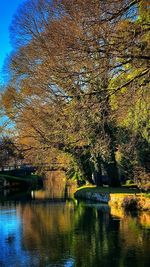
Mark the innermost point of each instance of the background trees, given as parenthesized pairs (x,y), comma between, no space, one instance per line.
(9,155)
(79,79)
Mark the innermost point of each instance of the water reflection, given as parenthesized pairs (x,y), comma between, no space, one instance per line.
(55,186)
(71,234)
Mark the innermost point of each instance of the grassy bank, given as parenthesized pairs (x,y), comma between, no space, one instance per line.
(111,190)
(120,197)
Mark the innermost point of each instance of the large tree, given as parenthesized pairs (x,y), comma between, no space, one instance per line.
(71,58)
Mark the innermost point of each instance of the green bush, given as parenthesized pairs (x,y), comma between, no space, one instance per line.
(129,182)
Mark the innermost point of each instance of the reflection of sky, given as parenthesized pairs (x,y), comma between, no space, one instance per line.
(11,253)
(69,263)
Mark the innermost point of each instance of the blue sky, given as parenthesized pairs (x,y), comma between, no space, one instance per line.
(7,10)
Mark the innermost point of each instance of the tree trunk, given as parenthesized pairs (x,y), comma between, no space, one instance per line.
(112,171)
(97,172)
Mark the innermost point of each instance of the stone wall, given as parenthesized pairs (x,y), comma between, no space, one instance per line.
(94,196)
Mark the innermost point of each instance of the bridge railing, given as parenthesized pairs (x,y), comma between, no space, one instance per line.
(29,165)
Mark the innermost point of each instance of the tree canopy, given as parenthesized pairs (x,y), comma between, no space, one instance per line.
(79,84)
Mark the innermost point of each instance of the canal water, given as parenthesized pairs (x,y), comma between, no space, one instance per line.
(56,232)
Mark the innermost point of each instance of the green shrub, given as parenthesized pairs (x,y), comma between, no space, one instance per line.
(129,182)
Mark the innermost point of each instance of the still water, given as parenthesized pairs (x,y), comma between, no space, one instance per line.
(65,233)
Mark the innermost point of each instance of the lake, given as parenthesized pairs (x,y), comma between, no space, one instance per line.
(40,230)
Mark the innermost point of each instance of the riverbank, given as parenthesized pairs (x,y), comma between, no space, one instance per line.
(131,199)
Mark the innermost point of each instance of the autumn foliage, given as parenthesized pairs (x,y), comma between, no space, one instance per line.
(78,86)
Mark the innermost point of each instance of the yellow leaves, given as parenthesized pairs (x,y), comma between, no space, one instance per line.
(26,88)
(8,97)
(118,156)
(144,11)
(75,54)
(114,102)
(8,100)
(63,159)
(130,104)
(123,25)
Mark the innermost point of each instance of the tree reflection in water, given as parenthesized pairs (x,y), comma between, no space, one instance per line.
(56,185)
(83,235)
(67,233)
